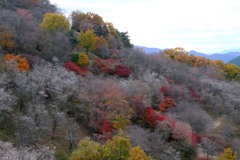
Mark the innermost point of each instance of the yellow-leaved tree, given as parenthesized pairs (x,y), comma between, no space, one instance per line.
(87,41)
(54,21)
(117,149)
(83,60)
(86,150)
(137,153)
(228,155)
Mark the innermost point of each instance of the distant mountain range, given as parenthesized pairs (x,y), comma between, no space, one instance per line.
(230,50)
(148,50)
(226,56)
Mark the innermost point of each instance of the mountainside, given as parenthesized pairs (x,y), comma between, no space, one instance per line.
(236,61)
(82,91)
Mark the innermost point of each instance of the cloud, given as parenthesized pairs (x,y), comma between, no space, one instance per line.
(171,23)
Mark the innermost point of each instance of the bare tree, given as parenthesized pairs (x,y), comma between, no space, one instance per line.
(48,46)
(8,152)
(199,119)
(152,143)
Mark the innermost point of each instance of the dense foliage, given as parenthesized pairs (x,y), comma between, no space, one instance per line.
(54,21)
(82,92)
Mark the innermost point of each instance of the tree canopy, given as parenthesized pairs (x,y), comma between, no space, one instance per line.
(54,21)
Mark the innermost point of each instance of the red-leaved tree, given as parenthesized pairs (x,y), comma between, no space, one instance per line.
(153,117)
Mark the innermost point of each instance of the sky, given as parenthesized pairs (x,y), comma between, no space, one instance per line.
(207,26)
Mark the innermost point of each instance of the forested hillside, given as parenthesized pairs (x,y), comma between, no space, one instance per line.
(80,91)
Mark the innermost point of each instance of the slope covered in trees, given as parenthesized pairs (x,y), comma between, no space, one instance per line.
(81,91)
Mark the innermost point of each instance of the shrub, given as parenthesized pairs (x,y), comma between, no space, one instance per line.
(111,66)
(107,66)
(74,57)
(106,127)
(78,70)
(122,71)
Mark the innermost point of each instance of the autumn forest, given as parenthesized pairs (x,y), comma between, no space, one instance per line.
(76,88)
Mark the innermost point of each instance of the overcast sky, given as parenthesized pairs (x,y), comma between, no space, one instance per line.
(203,25)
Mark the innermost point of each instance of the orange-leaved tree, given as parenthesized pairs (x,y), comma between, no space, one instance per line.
(167,103)
(22,63)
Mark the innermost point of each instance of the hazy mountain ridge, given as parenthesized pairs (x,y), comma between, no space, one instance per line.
(197,53)
(148,50)
(225,57)
(236,61)
(230,50)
